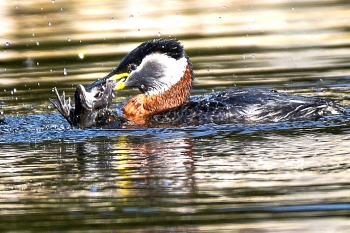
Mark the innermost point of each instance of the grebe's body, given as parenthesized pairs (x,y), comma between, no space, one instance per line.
(248,106)
(163,73)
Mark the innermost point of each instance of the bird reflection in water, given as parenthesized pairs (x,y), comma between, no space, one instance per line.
(134,163)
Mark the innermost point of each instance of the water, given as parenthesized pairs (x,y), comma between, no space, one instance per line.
(283,177)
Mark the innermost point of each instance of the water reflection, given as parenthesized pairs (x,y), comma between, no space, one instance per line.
(125,167)
(211,178)
(134,163)
(137,178)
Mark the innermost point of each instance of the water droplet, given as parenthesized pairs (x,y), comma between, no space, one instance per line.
(50,70)
(243,56)
(68,39)
(37,43)
(64,71)
(53,1)
(223,7)
(53,89)
(4,90)
(81,55)
(131,16)
(14,90)
(38,84)
(37,63)
(33,35)
(159,34)
(219,17)
(253,56)
(61,9)
(7,44)
(41,8)
(111,19)
(138,29)
(293,8)
(49,23)
(11,92)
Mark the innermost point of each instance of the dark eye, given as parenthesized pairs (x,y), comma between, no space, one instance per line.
(143,88)
(132,67)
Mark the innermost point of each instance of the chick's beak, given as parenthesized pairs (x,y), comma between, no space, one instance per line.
(121,83)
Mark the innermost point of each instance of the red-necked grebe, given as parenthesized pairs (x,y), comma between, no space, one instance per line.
(163,73)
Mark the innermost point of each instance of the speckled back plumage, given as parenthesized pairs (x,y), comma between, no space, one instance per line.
(249,106)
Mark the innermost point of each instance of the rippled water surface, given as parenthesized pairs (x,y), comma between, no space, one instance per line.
(283,177)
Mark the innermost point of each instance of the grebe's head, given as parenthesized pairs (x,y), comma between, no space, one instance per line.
(154,67)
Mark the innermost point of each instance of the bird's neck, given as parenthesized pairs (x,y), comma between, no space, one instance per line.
(142,106)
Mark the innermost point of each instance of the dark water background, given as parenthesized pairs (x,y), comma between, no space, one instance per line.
(286,177)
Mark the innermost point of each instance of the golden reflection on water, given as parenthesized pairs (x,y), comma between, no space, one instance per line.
(300,46)
(231,43)
(206,25)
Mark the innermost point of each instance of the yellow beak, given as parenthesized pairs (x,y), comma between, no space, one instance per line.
(121,83)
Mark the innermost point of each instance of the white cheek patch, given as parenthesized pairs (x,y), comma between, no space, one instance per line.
(169,71)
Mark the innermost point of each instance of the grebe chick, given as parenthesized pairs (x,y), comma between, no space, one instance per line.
(163,73)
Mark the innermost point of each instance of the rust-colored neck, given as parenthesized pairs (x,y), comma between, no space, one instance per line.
(142,106)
